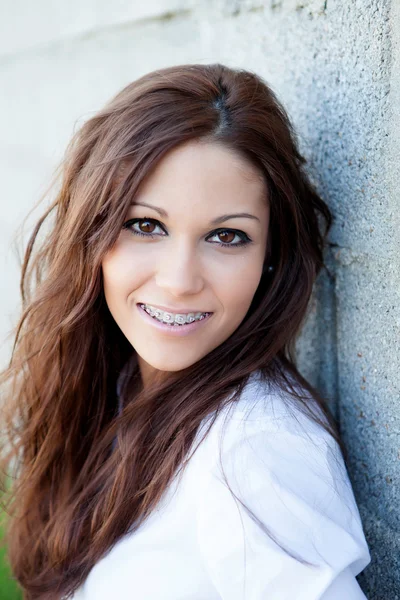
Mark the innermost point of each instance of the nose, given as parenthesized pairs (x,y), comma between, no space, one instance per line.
(178,271)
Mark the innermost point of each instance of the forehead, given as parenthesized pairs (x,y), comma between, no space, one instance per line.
(205,174)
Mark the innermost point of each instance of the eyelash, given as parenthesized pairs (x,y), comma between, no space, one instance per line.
(244,237)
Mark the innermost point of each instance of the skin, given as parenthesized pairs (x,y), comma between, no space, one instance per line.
(183,266)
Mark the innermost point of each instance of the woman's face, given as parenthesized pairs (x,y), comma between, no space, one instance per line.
(169,255)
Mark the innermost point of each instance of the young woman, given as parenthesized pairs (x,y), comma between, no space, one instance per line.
(162,444)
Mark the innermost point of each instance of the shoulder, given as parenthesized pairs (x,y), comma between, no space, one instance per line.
(265,410)
(265,456)
(271,453)
(268,439)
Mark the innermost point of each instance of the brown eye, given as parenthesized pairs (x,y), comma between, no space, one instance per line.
(146,226)
(226,236)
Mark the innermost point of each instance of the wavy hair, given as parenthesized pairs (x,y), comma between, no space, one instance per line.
(72,492)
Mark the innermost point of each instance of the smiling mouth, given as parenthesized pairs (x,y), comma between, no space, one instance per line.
(173,319)
(172,328)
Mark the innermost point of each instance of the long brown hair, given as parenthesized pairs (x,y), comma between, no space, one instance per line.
(72,493)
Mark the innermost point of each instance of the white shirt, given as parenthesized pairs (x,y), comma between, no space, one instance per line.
(201,544)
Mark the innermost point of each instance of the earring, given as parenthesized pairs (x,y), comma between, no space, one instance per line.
(268,268)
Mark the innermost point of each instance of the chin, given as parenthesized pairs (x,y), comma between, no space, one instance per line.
(170,363)
(171,366)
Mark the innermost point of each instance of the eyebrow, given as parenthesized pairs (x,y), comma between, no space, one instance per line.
(215,221)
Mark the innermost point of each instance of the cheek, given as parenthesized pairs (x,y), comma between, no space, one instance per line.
(113,279)
(122,274)
(237,284)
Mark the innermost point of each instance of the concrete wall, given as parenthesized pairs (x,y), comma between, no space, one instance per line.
(335,65)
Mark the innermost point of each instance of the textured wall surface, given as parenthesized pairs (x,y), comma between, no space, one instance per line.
(336,67)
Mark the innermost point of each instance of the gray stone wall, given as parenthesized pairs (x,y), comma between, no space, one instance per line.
(335,65)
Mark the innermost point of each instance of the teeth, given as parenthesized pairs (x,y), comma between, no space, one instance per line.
(170,318)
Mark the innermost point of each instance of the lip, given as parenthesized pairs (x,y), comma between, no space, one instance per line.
(176,311)
(173,330)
